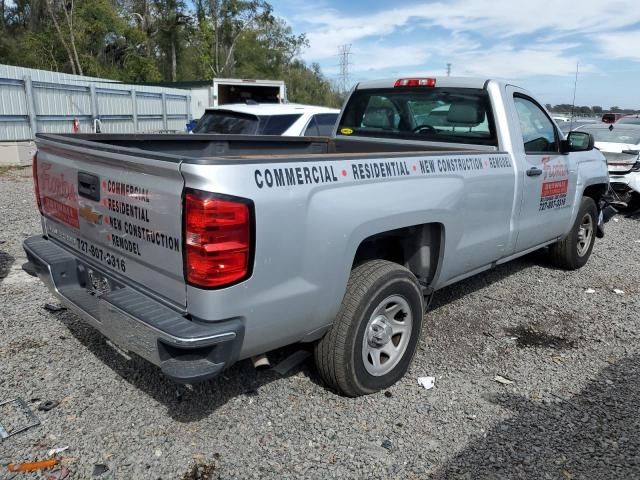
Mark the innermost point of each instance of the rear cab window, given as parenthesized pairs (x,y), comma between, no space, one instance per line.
(457,115)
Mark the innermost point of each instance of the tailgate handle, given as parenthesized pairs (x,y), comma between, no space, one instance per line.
(89,186)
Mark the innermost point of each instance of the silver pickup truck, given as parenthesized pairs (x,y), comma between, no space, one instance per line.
(196,251)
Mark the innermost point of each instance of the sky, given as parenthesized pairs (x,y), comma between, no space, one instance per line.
(535,43)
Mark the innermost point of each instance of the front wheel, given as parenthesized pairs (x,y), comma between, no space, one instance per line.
(575,249)
(373,339)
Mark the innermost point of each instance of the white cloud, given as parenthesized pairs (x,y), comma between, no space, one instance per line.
(521,36)
(620,45)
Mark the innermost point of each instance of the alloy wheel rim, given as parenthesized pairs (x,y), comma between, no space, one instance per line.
(585,234)
(386,336)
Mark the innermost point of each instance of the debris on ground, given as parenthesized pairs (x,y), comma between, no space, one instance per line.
(617,291)
(11,425)
(32,466)
(388,394)
(58,474)
(99,469)
(56,451)
(291,361)
(503,380)
(589,290)
(48,405)
(201,471)
(427,382)
(387,444)
(54,308)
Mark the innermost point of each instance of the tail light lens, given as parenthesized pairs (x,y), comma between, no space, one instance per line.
(217,238)
(36,186)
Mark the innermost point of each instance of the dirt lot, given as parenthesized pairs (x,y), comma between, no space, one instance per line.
(571,411)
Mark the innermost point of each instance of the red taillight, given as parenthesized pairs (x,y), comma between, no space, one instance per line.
(415,82)
(217,239)
(36,186)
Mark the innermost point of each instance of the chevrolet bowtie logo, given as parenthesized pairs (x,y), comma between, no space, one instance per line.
(90,215)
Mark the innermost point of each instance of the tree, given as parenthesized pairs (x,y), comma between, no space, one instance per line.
(153,40)
(596,109)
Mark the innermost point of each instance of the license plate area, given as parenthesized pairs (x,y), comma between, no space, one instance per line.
(98,284)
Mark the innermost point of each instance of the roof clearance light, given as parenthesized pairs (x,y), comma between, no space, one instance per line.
(415,82)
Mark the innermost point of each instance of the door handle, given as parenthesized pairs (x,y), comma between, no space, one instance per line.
(534,172)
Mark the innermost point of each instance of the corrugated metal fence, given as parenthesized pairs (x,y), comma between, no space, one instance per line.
(35,101)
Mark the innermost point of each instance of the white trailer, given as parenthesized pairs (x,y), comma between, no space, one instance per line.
(236,90)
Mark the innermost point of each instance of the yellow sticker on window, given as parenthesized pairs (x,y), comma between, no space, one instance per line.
(346,131)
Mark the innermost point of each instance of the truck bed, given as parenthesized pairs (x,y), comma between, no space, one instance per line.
(211,148)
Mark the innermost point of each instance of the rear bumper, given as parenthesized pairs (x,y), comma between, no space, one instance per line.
(187,351)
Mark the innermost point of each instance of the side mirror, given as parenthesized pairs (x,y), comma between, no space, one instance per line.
(578,142)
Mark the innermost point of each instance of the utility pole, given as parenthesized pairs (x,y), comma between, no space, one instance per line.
(344,52)
(448,69)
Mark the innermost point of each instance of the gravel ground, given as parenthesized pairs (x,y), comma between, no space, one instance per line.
(571,411)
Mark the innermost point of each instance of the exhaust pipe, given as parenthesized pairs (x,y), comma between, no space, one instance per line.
(261,361)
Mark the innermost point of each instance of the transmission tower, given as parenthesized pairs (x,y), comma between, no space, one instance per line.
(344,54)
(448,69)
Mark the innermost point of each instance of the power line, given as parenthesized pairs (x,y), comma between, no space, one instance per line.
(344,77)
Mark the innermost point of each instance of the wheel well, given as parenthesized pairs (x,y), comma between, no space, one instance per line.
(596,192)
(416,247)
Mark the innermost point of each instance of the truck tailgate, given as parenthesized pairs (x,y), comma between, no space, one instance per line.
(121,212)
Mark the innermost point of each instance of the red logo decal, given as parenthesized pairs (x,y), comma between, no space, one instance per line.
(344,172)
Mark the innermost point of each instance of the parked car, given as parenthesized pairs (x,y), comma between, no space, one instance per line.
(620,144)
(629,120)
(196,251)
(290,119)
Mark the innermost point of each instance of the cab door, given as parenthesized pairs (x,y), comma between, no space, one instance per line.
(547,177)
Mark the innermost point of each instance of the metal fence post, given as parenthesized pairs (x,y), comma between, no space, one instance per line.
(31,106)
(94,104)
(165,123)
(134,110)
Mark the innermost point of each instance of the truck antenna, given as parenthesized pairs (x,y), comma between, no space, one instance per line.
(573,103)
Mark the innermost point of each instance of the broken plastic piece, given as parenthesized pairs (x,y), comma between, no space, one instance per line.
(54,308)
(55,451)
(32,420)
(99,469)
(291,361)
(427,382)
(617,291)
(32,466)
(502,380)
(589,290)
(48,405)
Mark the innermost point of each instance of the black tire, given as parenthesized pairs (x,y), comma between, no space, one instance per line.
(339,354)
(566,253)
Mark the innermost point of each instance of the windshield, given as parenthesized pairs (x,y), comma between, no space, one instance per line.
(614,134)
(224,121)
(433,114)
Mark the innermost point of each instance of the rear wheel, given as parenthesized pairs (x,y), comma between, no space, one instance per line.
(373,339)
(575,249)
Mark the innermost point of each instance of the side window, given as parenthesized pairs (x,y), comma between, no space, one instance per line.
(326,122)
(538,132)
(278,124)
(312,128)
